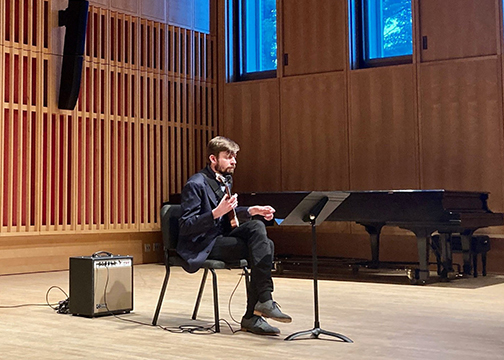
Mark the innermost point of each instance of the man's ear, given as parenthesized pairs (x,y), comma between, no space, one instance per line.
(213,159)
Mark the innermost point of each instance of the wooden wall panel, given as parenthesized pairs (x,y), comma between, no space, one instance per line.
(253,121)
(50,251)
(459,28)
(314,36)
(423,125)
(383,129)
(461,127)
(314,133)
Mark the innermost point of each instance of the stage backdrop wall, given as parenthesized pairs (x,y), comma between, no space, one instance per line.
(321,125)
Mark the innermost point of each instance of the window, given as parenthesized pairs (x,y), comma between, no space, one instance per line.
(252,39)
(383,32)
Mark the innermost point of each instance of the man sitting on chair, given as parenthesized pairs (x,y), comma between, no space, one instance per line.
(206,231)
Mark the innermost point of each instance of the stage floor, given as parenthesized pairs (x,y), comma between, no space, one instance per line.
(462,319)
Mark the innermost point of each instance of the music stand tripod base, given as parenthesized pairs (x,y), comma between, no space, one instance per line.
(316,331)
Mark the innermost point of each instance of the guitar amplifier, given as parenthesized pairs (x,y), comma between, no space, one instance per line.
(101,285)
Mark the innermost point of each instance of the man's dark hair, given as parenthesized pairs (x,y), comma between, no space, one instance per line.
(221,143)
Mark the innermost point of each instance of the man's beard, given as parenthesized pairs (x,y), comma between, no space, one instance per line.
(225,171)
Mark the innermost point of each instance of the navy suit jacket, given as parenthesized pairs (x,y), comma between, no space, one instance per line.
(198,228)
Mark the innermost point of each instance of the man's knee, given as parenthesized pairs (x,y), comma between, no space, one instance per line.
(258,229)
(257,226)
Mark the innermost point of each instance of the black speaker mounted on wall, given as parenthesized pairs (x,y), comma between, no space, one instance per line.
(74,18)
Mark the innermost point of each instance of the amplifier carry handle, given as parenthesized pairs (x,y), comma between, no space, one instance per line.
(101,253)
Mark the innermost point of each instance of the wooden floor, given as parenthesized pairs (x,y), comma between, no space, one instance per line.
(463,319)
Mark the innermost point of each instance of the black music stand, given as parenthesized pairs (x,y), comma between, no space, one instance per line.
(314,216)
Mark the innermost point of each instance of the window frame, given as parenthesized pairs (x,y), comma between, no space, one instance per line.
(360,42)
(236,49)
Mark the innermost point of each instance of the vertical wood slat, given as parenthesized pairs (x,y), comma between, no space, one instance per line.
(135,162)
(3,25)
(142,142)
(74,139)
(21,119)
(56,178)
(48,174)
(28,138)
(133,207)
(123,172)
(164,148)
(2,122)
(65,173)
(30,172)
(10,169)
(107,164)
(114,179)
(16,168)
(158,176)
(38,146)
(82,171)
(170,45)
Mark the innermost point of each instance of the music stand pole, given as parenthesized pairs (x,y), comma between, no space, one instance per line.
(316,331)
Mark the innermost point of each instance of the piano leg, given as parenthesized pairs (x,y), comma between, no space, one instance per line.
(423,244)
(446,255)
(374,236)
(465,239)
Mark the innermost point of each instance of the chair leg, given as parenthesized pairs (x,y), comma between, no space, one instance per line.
(216,300)
(200,294)
(161,296)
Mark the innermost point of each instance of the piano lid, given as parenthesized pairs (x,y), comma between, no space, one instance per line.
(380,206)
(409,206)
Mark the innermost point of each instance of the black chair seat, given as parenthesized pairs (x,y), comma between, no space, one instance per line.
(170,213)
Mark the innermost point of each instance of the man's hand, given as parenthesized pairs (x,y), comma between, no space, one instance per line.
(226,205)
(264,211)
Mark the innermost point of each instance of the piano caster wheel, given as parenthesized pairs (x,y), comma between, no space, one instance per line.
(410,273)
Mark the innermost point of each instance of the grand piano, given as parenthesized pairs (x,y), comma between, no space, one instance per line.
(421,211)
